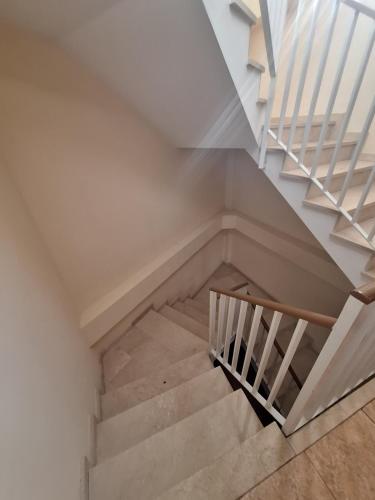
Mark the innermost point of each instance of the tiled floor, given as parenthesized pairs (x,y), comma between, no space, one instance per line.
(339,466)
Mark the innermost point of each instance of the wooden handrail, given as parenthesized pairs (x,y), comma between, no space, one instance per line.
(365,293)
(295,312)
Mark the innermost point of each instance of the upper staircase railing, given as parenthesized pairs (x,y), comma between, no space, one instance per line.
(345,360)
(302,32)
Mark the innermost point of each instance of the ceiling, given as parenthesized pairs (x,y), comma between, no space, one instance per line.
(160,55)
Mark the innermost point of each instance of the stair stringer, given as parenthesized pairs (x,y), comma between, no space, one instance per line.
(351,260)
(228,25)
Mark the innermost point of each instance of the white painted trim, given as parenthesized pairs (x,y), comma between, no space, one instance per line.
(299,254)
(84,479)
(101,316)
(92,433)
(104,314)
(98,405)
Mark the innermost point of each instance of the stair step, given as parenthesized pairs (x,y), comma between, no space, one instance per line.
(154,344)
(341,169)
(227,282)
(185,321)
(301,121)
(351,235)
(312,146)
(192,312)
(127,429)
(143,389)
(253,64)
(168,457)
(241,7)
(199,306)
(239,470)
(350,203)
(113,362)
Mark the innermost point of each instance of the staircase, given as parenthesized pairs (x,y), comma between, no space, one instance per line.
(172,426)
(316,161)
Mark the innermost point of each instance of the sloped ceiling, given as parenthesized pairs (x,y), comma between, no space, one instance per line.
(161,55)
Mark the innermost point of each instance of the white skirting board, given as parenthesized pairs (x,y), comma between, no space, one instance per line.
(182,270)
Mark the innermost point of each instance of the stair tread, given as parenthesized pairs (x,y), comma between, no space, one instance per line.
(239,470)
(301,122)
(350,202)
(185,321)
(331,143)
(341,168)
(353,236)
(153,344)
(166,458)
(227,282)
(141,390)
(154,415)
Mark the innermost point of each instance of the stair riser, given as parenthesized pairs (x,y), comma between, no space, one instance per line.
(345,154)
(337,183)
(367,212)
(140,391)
(314,134)
(168,457)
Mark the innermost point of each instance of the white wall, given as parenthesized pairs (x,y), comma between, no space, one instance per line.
(282,272)
(47,372)
(251,193)
(108,192)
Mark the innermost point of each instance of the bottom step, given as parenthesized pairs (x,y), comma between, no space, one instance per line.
(239,470)
(168,457)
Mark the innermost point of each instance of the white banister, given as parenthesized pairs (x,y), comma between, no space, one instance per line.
(305,65)
(251,341)
(350,108)
(364,195)
(267,122)
(267,348)
(291,64)
(212,324)
(293,346)
(231,309)
(221,322)
(319,76)
(229,329)
(334,91)
(355,157)
(239,334)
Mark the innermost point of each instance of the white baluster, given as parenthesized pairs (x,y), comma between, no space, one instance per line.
(293,345)
(267,121)
(292,60)
(229,330)
(211,331)
(239,332)
(267,348)
(302,81)
(349,111)
(251,341)
(319,76)
(221,323)
(363,197)
(334,91)
(355,157)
